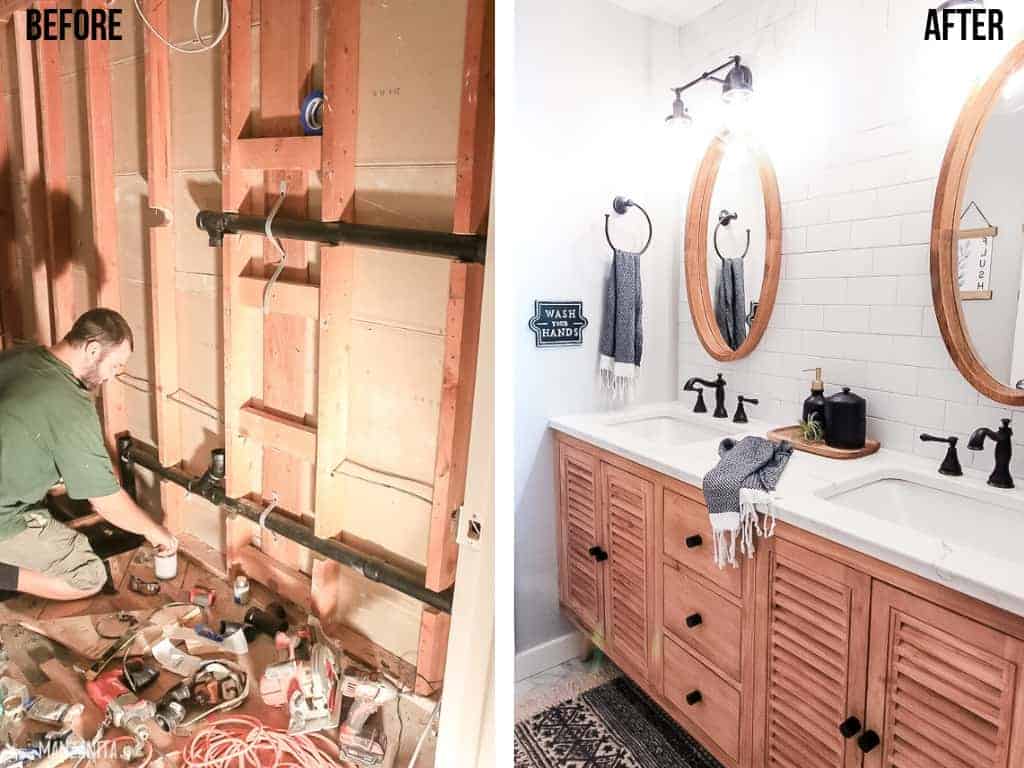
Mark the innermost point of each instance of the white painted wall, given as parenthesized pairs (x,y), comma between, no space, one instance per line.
(855,110)
(586,129)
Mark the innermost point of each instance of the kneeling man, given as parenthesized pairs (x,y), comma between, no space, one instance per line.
(50,438)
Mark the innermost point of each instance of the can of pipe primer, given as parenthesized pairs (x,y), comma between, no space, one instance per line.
(165,566)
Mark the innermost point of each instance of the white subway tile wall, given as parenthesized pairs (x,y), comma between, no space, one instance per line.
(855,110)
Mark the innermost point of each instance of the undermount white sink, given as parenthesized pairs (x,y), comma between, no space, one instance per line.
(672,429)
(991,520)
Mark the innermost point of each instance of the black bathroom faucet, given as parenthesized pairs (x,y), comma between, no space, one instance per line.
(1000,477)
(719,386)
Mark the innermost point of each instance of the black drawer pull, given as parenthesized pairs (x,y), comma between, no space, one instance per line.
(693,620)
(850,727)
(693,697)
(693,541)
(598,554)
(868,741)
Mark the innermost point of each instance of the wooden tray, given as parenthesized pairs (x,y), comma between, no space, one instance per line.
(793,435)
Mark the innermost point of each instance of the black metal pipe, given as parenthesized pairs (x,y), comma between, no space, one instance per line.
(470,248)
(372,568)
(124,444)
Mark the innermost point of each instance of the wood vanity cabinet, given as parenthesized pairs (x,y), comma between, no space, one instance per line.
(637,575)
(766,663)
(581,538)
(916,679)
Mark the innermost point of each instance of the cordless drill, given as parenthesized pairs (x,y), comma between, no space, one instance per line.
(359,743)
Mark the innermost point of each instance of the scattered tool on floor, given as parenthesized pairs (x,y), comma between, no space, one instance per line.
(143,587)
(305,683)
(268,622)
(109,691)
(202,596)
(357,738)
(46,710)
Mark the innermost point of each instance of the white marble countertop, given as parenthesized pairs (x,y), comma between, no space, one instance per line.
(957,531)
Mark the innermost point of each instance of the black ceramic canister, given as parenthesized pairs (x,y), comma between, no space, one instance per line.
(845,420)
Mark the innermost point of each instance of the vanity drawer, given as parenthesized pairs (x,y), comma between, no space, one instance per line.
(688,539)
(717,635)
(717,712)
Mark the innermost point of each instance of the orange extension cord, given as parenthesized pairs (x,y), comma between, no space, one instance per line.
(244,742)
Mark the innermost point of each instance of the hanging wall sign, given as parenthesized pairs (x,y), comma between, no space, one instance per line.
(558,323)
(974,263)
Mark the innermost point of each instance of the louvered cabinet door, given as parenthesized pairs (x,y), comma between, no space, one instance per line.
(816,615)
(581,529)
(944,691)
(628,504)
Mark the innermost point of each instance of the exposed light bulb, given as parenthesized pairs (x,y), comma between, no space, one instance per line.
(1013,93)
(679,119)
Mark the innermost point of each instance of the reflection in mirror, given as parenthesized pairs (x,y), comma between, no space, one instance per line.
(990,241)
(733,249)
(736,244)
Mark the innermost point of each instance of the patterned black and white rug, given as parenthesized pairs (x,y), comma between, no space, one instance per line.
(612,726)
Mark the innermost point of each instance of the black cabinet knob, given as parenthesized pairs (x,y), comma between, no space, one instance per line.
(693,541)
(598,554)
(693,620)
(850,727)
(693,697)
(868,741)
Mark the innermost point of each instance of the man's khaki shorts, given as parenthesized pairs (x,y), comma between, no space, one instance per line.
(52,548)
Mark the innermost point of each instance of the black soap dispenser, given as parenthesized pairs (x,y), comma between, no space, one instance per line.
(814,406)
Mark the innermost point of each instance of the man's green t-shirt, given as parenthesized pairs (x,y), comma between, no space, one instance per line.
(49,432)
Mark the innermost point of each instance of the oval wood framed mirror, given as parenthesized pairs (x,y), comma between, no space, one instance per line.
(733,250)
(977,238)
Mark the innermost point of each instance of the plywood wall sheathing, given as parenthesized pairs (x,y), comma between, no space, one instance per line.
(161,255)
(34,202)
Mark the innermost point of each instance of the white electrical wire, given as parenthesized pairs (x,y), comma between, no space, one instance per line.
(423,736)
(198,41)
(277,246)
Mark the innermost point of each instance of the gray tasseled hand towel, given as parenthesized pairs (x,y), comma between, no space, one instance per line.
(753,463)
(730,300)
(622,337)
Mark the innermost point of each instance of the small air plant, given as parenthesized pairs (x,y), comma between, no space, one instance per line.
(812,430)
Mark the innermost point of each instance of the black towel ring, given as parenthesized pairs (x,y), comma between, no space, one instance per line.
(724,217)
(620,205)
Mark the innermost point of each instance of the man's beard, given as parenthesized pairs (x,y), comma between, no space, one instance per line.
(91,378)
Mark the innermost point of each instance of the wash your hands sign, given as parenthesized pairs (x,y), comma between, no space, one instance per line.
(558,323)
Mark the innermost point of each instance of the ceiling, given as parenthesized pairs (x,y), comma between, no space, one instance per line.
(675,12)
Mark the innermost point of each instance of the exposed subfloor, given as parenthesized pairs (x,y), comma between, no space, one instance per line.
(403,722)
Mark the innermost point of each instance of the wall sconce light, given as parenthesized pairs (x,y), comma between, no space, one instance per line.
(737,88)
(679,118)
